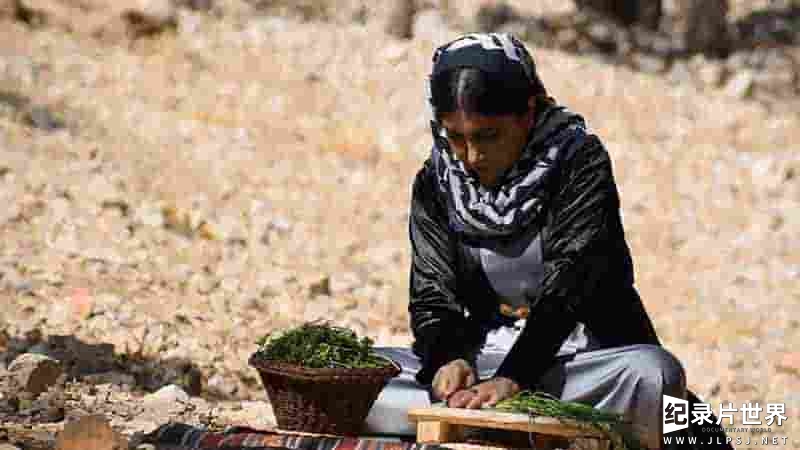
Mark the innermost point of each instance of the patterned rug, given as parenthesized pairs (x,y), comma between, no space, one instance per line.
(179,436)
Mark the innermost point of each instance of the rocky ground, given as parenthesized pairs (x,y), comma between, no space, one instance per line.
(171,195)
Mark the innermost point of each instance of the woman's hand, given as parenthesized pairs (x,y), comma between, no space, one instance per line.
(485,394)
(452,377)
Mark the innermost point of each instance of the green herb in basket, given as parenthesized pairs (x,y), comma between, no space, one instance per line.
(543,404)
(320,345)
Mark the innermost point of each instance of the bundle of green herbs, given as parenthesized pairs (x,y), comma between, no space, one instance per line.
(320,345)
(611,425)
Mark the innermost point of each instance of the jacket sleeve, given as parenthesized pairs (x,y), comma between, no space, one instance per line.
(441,331)
(574,245)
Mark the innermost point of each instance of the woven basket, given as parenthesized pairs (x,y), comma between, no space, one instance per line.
(330,401)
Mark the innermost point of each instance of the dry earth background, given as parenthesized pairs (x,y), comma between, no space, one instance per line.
(248,170)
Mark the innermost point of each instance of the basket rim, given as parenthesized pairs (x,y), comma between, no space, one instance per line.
(283,368)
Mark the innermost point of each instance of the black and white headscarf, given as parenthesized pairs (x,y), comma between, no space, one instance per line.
(521,195)
(523,191)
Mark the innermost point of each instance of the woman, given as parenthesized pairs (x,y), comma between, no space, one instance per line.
(521,277)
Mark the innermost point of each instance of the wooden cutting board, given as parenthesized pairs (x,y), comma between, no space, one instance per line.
(440,424)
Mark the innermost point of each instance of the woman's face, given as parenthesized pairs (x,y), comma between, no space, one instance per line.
(488,145)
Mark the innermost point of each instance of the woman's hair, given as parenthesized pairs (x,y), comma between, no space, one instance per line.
(476,91)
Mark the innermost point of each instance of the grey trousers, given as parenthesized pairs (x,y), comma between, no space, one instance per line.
(628,380)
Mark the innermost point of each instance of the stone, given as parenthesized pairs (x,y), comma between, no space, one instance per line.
(192,381)
(386,254)
(4,340)
(739,386)
(790,363)
(520,29)
(704,25)
(218,383)
(211,231)
(167,395)
(680,74)
(226,228)
(400,19)
(35,373)
(81,302)
(656,44)
(40,117)
(395,52)
(321,286)
(430,25)
(649,64)
(11,278)
(600,31)
(92,432)
(149,16)
(115,378)
(740,84)
(8,10)
(79,357)
(107,18)
(256,414)
(776,80)
(180,220)
(142,427)
(647,13)
(280,224)
(62,13)
(492,15)
(739,60)
(711,74)
(344,283)
(346,303)
(567,39)
(197,5)
(149,215)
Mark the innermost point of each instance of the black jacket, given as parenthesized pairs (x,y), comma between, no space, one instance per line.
(588,276)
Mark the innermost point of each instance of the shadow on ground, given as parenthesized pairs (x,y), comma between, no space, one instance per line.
(101,364)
